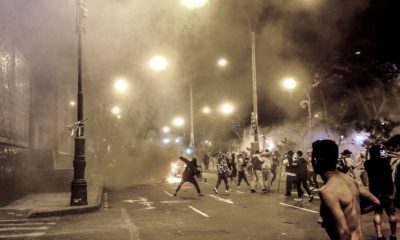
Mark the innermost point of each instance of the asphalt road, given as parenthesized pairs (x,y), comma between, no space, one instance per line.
(151,212)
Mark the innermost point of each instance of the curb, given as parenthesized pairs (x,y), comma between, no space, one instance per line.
(71,210)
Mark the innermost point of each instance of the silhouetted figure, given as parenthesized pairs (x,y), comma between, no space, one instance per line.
(188,175)
(301,177)
(381,185)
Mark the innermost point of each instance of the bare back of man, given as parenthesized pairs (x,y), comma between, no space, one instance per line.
(340,206)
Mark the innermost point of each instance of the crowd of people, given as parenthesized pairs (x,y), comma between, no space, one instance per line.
(343,189)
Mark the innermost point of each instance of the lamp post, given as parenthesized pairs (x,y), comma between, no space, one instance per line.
(254,115)
(79,185)
(290,84)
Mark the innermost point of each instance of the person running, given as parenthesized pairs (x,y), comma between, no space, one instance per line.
(188,175)
(223,173)
(291,168)
(232,167)
(301,177)
(257,174)
(241,165)
(381,185)
(340,196)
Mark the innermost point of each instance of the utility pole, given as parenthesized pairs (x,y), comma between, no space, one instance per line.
(79,185)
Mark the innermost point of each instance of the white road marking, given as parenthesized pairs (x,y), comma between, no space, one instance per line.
(199,212)
(38,234)
(175,202)
(27,220)
(206,183)
(23,229)
(169,194)
(238,191)
(27,223)
(132,228)
(304,209)
(141,200)
(222,199)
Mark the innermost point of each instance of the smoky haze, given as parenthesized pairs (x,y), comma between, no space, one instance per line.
(122,35)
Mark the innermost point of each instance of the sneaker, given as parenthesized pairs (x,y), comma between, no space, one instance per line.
(215,190)
(252,190)
(175,194)
(311,198)
(298,199)
(393,237)
(288,194)
(227,191)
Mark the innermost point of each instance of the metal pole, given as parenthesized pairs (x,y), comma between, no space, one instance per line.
(79,185)
(309,115)
(191,117)
(254,81)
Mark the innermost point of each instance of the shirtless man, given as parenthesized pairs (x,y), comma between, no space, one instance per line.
(340,196)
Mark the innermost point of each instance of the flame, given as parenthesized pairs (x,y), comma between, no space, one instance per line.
(174,170)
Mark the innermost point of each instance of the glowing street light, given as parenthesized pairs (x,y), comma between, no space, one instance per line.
(72,103)
(121,85)
(178,122)
(116,110)
(166,129)
(227,108)
(166,140)
(289,83)
(206,110)
(191,4)
(158,63)
(222,62)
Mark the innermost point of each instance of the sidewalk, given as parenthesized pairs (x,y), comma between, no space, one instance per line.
(58,203)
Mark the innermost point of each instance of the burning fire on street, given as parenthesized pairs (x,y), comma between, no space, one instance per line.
(173,172)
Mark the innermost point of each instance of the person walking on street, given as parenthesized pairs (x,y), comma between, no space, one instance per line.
(381,185)
(291,168)
(301,177)
(275,164)
(340,208)
(206,161)
(188,175)
(241,166)
(257,174)
(223,173)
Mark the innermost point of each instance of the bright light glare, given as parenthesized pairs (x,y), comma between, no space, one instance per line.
(72,103)
(206,110)
(222,62)
(120,85)
(191,4)
(177,140)
(166,129)
(270,144)
(158,63)
(227,108)
(178,122)
(116,110)
(119,116)
(360,139)
(166,140)
(289,83)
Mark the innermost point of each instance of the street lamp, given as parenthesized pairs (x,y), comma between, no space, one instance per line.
(79,184)
(206,110)
(121,85)
(178,122)
(227,108)
(222,62)
(158,63)
(72,103)
(166,129)
(116,110)
(194,3)
(290,84)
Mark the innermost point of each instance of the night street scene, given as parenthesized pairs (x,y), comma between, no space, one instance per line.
(199,119)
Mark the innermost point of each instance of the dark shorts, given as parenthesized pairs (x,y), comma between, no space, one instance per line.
(387,203)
